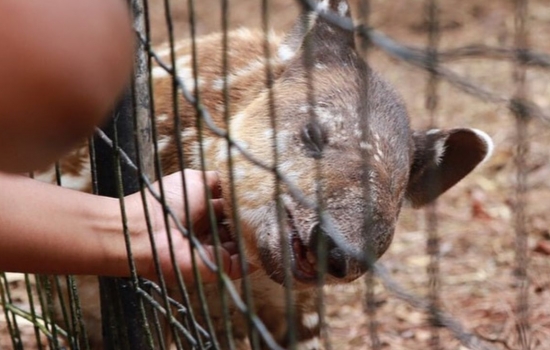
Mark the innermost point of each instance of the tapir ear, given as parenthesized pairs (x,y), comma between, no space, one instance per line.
(322,33)
(442,158)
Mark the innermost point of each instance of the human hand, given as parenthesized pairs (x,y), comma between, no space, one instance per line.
(180,245)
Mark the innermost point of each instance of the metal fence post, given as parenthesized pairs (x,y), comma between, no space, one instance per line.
(119,302)
(124,325)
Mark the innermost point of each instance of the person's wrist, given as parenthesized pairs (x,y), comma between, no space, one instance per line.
(138,228)
(115,259)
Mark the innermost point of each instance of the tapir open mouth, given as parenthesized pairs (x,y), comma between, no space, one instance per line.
(302,259)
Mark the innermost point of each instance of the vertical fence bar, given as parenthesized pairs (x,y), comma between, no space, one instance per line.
(361,16)
(432,243)
(199,124)
(142,93)
(522,117)
(119,303)
(369,306)
(124,324)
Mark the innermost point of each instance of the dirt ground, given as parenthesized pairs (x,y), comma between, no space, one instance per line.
(476,223)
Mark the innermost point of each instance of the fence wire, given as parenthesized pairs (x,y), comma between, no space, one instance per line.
(166,315)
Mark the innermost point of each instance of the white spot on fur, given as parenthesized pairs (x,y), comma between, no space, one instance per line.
(325,116)
(311,344)
(251,68)
(207,144)
(239,173)
(285,53)
(235,152)
(268,134)
(273,37)
(286,166)
(310,320)
(379,154)
(489,145)
(323,6)
(237,124)
(365,145)
(372,177)
(303,109)
(159,72)
(342,8)
(186,76)
(251,196)
(184,71)
(320,66)
(188,134)
(166,51)
(439,149)
(183,62)
(374,188)
(218,84)
(433,131)
(78,182)
(294,176)
(47,176)
(243,33)
(163,142)
(195,155)
(162,118)
(282,141)
(312,19)
(221,155)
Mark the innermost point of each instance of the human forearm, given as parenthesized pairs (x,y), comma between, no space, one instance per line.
(49,229)
(46,229)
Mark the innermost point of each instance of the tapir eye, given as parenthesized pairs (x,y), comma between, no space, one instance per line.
(314,138)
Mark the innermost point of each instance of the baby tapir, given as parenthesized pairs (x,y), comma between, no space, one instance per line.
(342,138)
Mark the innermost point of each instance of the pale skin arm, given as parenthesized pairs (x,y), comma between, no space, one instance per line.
(47,229)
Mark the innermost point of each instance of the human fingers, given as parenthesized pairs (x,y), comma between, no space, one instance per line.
(206,235)
(224,233)
(230,264)
(213,182)
(231,247)
(217,207)
(208,179)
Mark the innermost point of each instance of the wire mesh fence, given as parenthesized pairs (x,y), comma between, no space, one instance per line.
(253,106)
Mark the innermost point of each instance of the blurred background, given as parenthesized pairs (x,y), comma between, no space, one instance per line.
(478,283)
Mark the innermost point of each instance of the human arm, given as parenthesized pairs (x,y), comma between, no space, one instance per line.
(63,65)
(48,229)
